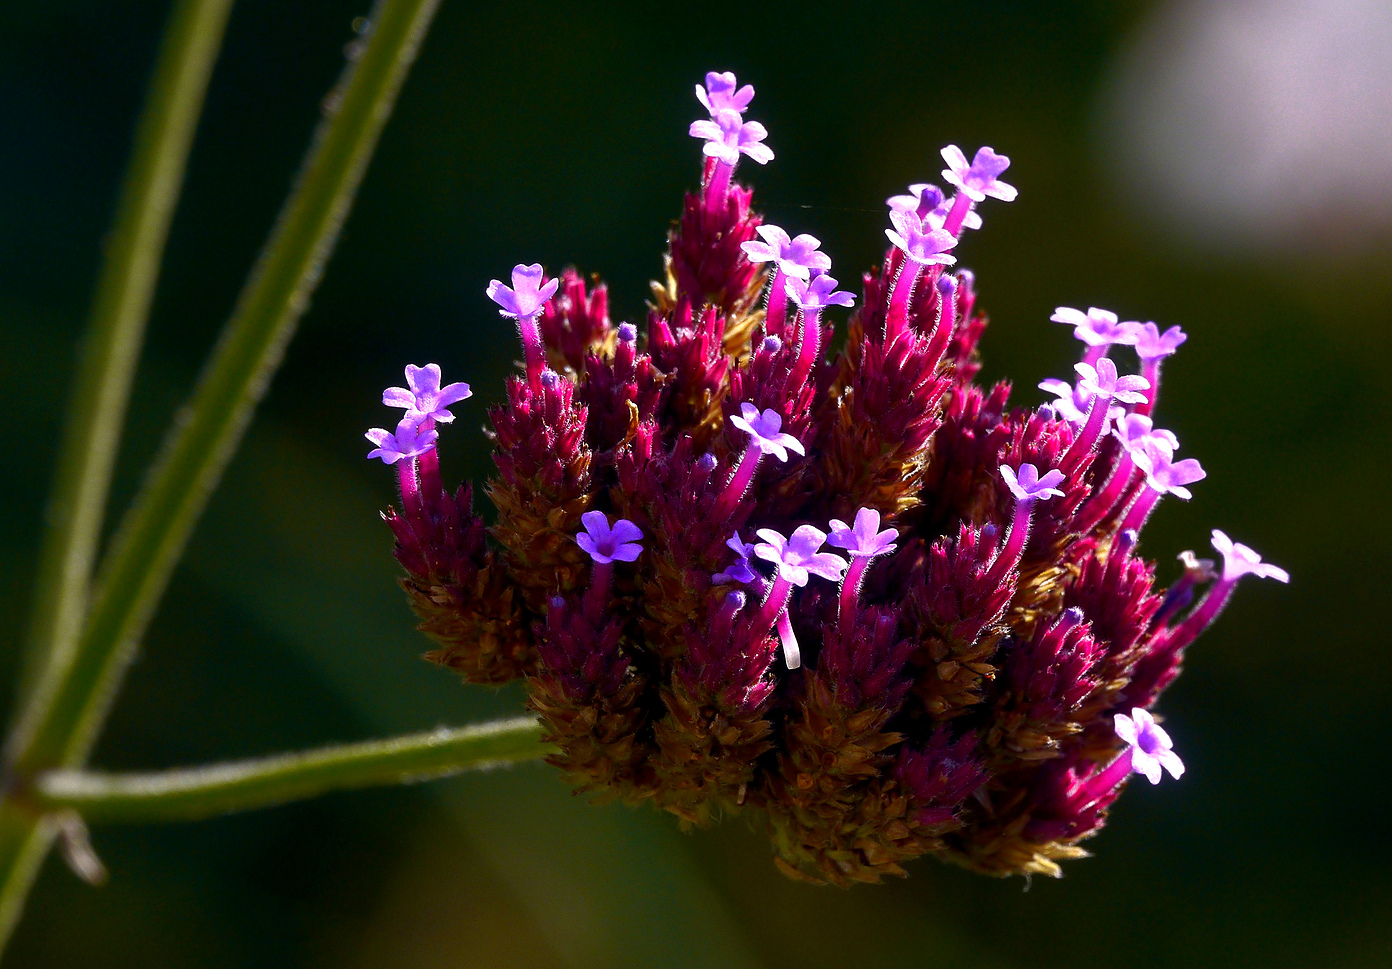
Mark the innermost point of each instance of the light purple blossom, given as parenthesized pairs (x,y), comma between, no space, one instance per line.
(1071,403)
(928,203)
(529,292)
(1201,570)
(864,539)
(720,94)
(980,178)
(1097,327)
(765,432)
(628,332)
(1239,560)
(1164,474)
(407,442)
(425,398)
(741,571)
(1151,344)
(1102,381)
(1028,485)
(728,136)
(1137,431)
(923,244)
(605,544)
(1150,745)
(796,257)
(797,557)
(815,295)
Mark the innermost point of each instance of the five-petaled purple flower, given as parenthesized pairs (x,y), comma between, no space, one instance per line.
(864,538)
(765,432)
(797,557)
(528,294)
(1102,381)
(1096,327)
(719,93)
(1071,403)
(922,243)
(408,441)
(928,203)
(1150,745)
(1027,484)
(607,544)
(980,178)
(1163,473)
(741,571)
(1151,344)
(796,257)
(815,295)
(1137,432)
(425,398)
(728,136)
(1239,560)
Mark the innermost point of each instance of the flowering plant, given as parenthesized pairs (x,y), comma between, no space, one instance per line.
(973,679)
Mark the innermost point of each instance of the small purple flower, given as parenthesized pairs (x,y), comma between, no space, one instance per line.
(1103,381)
(407,442)
(529,293)
(1027,485)
(928,203)
(1151,344)
(425,398)
(606,545)
(816,295)
(728,136)
(864,539)
(1096,327)
(796,257)
(720,94)
(797,557)
(1239,560)
(741,571)
(765,432)
(980,178)
(1163,473)
(1150,745)
(1137,432)
(628,332)
(923,244)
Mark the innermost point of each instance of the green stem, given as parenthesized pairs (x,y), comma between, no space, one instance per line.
(199,792)
(62,714)
(111,348)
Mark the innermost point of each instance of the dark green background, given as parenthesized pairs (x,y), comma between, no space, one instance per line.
(558,134)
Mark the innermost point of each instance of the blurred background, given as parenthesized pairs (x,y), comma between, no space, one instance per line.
(1225,165)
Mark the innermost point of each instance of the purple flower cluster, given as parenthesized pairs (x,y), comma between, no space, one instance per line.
(860,595)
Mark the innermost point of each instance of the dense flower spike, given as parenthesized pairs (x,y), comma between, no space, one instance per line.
(980,684)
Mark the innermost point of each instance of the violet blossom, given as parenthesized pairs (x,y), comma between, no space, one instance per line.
(423,397)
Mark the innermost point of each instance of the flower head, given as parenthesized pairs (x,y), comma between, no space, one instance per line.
(797,557)
(1137,432)
(929,204)
(529,292)
(728,136)
(1103,381)
(921,243)
(1239,560)
(980,178)
(1163,473)
(407,442)
(719,93)
(741,571)
(864,538)
(1150,745)
(1027,484)
(817,294)
(765,432)
(425,398)
(797,257)
(1096,327)
(607,544)
(1151,344)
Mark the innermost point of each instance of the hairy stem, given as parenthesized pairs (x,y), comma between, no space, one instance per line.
(199,792)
